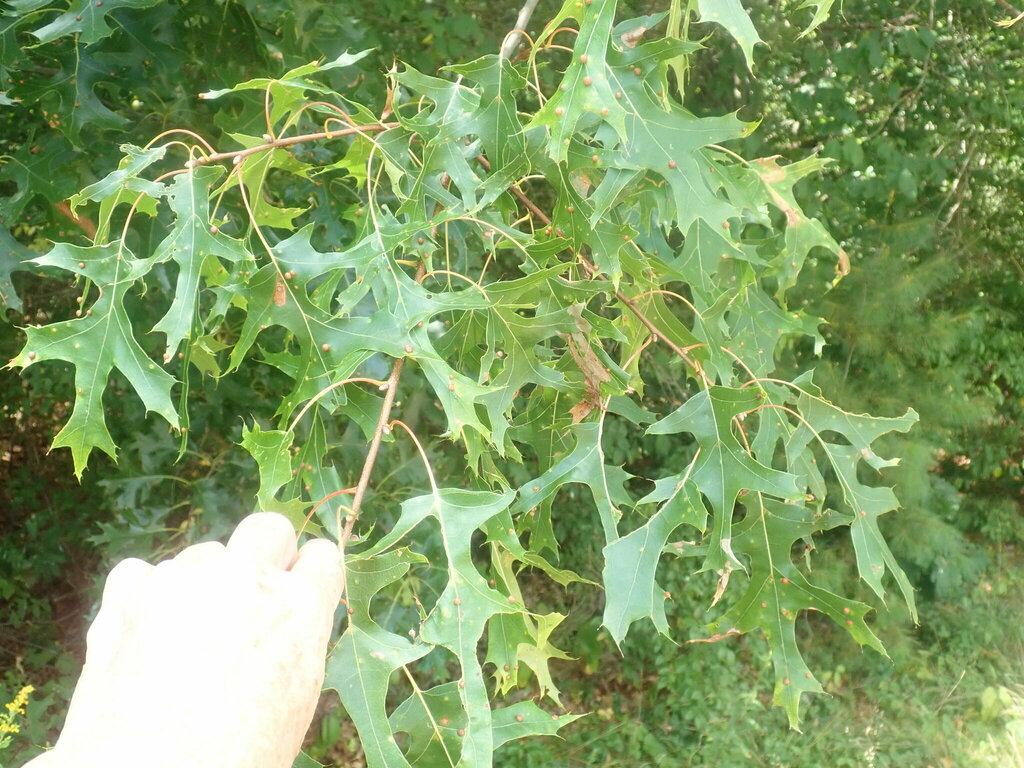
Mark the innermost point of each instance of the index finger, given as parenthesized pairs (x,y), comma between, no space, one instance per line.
(322,565)
(264,538)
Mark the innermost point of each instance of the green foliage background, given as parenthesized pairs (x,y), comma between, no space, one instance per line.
(919,105)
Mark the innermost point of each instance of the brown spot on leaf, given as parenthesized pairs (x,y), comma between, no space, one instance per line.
(633,36)
(590,365)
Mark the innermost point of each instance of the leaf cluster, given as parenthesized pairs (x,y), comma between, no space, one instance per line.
(523,261)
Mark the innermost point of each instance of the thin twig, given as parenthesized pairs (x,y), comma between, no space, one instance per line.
(288,141)
(83,222)
(905,97)
(654,329)
(378,433)
(1012,11)
(958,188)
(1017,265)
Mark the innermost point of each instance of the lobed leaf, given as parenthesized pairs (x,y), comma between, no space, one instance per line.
(730,15)
(96,344)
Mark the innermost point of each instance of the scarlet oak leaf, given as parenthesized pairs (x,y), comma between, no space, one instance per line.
(195,246)
(730,15)
(631,562)
(587,92)
(88,18)
(12,256)
(361,664)
(462,610)
(777,592)
(723,467)
(585,464)
(96,344)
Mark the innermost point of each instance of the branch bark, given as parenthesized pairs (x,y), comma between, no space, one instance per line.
(508,48)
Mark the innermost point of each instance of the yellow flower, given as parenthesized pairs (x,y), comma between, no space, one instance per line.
(15,707)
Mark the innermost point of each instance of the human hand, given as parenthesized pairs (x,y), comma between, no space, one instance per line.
(214,658)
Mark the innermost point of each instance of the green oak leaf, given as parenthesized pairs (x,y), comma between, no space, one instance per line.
(11,50)
(538,651)
(822,8)
(194,245)
(730,15)
(723,468)
(288,92)
(323,481)
(41,168)
(654,307)
(867,504)
(253,172)
(203,354)
(444,155)
(67,86)
(520,636)
(13,257)
(863,503)
(330,347)
(701,261)
(272,452)
(664,139)
(88,18)
(585,464)
(526,719)
(505,633)
(777,591)
(96,344)
(458,126)
(511,636)
(760,325)
(802,233)
(586,93)
(302,760)
(631,562)
(125,184)
(360,665)
(497,122)
(515,336)
(500,530)
(464,607)
(432,719)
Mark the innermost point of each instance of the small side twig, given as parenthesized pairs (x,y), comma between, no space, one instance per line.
(1017,14)
(958,188)
(649,324)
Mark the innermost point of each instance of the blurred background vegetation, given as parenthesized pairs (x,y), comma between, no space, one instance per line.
(920,103)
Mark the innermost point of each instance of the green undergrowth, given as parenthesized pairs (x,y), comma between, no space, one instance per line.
(953,694)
